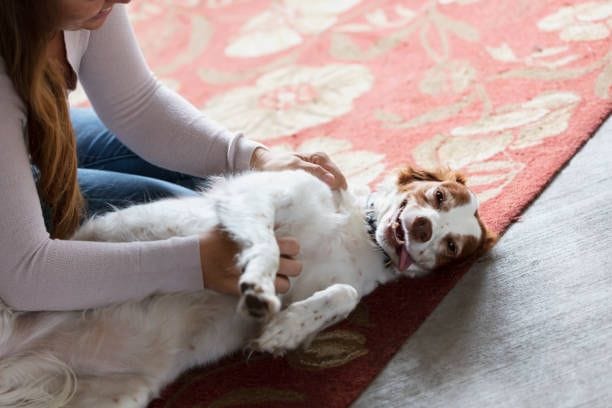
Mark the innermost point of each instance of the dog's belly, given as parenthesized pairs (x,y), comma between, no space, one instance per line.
(359,266)
(334,246)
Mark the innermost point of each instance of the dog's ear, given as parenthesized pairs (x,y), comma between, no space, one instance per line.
(411,174)
(489,238)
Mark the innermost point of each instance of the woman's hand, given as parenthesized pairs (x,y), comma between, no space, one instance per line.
(218,259)
(318,164)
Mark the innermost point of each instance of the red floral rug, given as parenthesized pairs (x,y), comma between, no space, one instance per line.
(507,91)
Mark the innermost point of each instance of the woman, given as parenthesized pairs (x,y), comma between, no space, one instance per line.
(54,168)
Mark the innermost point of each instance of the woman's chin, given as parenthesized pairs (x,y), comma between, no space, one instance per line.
(94,24)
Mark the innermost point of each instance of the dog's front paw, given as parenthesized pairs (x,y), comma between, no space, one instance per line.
(257,302)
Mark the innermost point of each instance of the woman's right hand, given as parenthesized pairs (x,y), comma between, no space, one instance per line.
(218,259)
(318,164)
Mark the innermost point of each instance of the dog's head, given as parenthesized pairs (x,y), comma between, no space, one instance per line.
(429,219)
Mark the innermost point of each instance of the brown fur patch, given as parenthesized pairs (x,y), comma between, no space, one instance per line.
(420,197)
(471,248)
(410,174)
(458,192)
(455,194)
(489,238)
(453,186)
(467,244)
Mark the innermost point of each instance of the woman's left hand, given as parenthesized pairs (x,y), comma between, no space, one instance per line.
(318,164)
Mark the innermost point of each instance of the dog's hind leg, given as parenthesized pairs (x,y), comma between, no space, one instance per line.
(301,321)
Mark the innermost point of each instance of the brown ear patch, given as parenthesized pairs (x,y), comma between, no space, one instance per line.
(459,193)
(411,174)
(489,239)
(472,249)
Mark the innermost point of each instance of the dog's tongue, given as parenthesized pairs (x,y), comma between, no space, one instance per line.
(405,261)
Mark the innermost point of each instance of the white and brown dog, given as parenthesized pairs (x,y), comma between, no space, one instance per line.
(122,355)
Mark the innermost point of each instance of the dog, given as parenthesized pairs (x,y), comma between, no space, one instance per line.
(122,355)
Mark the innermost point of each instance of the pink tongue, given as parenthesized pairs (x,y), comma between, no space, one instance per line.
(404,261)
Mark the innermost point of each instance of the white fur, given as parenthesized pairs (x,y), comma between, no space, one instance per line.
(122,355)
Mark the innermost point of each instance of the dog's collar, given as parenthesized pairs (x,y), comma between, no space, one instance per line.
(372,221)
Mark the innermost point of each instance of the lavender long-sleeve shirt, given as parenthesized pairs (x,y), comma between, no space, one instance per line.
(39,273)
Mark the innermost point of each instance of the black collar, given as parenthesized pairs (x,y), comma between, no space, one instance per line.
(371,220)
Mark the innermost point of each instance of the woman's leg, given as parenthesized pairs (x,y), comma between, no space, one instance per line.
(105,190)
(112,176)
(98,148)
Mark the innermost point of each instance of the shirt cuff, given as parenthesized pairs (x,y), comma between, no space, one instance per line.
(240,152)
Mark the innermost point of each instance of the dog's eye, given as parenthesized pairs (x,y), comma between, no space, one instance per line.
(452,247)
(439,197)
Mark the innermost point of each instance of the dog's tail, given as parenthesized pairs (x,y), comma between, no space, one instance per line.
(35,380)
(30,379)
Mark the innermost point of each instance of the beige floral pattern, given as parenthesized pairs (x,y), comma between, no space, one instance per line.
(380,19)
(449,76)
(334,348)
(284,25)
(539,118)
(291,99)
(549,57)
(582,22)
(473,147)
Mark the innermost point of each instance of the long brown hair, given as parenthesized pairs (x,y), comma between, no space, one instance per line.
(26,28)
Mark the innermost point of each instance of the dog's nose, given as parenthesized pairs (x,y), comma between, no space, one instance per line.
(420,230)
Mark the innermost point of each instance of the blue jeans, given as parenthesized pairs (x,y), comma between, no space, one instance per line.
(111,175)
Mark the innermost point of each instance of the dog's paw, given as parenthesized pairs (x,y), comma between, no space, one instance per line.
(258,303)
(280,336)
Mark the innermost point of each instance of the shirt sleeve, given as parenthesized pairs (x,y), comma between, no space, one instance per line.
(40,273)
(155,122)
